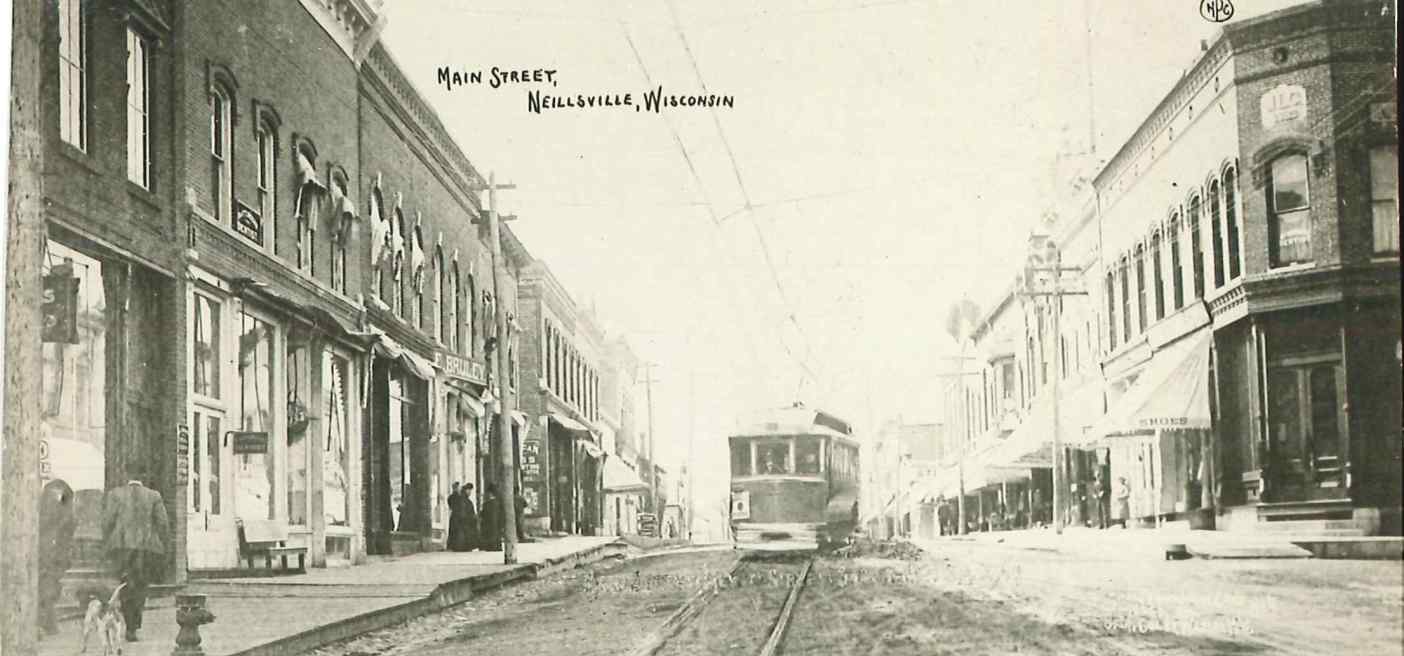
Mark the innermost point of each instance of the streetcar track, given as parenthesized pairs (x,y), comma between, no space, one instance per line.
(693,608)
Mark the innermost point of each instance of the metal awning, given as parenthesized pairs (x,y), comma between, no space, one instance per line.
(1172,393)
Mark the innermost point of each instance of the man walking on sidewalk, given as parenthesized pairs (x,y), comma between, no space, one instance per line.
(135,532)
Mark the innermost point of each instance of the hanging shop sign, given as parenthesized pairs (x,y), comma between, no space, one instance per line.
(248,441)
(248,223)
(60,306)
(462,368)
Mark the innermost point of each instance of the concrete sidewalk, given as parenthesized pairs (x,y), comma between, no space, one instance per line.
(291,614)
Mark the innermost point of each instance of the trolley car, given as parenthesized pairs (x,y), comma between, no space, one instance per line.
(794,481)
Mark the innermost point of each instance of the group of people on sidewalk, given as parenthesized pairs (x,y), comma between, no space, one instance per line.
(136,532)
(467,530)
(1101,512)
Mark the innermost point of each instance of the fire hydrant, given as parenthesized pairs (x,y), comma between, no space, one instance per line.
(190,614)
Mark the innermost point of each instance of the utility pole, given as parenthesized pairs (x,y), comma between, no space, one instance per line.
(19,455)
(691,440)
(652,462)
(1041,271)
(505,451)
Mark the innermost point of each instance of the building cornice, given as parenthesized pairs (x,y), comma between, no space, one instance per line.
(354,25)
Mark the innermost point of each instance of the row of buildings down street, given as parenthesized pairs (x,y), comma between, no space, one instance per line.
(1211,314)
(271,283)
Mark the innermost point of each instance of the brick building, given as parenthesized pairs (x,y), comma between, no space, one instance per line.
(271,280)
(564,351)
(1250,279)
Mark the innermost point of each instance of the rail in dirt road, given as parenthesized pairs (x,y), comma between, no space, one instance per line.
(744,586)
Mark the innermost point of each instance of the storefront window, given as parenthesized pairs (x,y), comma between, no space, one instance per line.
(205,357)
(336,454)
(299,368)
(399,450)
(256,470)
(73,422)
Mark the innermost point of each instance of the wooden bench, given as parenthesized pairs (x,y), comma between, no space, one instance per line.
(267,538)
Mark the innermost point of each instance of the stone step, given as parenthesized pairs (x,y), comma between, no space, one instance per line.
(1315,509)
(1311,527)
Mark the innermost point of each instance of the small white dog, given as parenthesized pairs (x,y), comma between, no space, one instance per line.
(105,618)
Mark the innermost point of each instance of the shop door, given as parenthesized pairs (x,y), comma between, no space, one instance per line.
(211,538)
(1307,433)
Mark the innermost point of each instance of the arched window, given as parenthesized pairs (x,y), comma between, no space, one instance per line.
(417,273)
(440,286)
(397,264)
(338,247)
(1235,263)
(1289,211)
(469,342)
(267,138)
(1111,310)
(380,247)
(221,155)
(307,208)
(455,305)
(1216,233)
(1159,282)
(1142,289)
(1123,273)
(1177,271)
(1196,246)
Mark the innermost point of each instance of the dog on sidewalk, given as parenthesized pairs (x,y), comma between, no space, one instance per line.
(105,619)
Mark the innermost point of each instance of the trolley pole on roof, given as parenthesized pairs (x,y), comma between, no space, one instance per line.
(507,496)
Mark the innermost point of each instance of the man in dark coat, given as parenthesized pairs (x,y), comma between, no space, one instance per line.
(455,520)
(135,530)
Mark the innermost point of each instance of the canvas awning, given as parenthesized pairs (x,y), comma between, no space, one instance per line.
(415,363)
(1031,443)
(1171,393)
(591,449)
(570,424)
(471,405)
(618,477)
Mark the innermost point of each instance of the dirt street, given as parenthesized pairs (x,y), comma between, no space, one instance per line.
(959,598)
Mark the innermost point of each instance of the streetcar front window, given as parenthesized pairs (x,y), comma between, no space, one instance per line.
(807,455)
(740,458)
(774,458)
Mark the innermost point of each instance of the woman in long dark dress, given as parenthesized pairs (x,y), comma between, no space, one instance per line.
(455,521)
(491,524)
(468,524)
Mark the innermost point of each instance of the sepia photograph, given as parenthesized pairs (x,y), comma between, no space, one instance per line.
(671,328)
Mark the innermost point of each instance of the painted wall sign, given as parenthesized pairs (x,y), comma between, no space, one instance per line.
(249,442)
(1285,103)
(460,367)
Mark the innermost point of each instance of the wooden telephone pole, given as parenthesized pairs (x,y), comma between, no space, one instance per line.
(19,455)
(506,452)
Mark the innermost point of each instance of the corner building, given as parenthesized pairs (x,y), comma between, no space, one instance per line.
(1249,280)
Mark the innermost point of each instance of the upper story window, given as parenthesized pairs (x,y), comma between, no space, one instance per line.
(1289,211)
(440,288)
(397,262)
(1158,285)
(1141,289)
(459,345)
(1217,234)
(1177,271)
(1384,198)
(1195,217)
(418,315)
(73,73)
(222,155)
(138,109)
(1124,273)
(268,182)
(380,245)
(467,343)
(340,236)
(1235,262)
(1111,309)
(307,209)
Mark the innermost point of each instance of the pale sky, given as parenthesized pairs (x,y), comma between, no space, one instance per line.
(894,154)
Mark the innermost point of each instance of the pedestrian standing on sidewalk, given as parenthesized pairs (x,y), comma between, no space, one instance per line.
(56,527)
(135,531)
(1100,495)
(469,538)
(1123,501)
(520,514)
(491,526)
(455,523)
